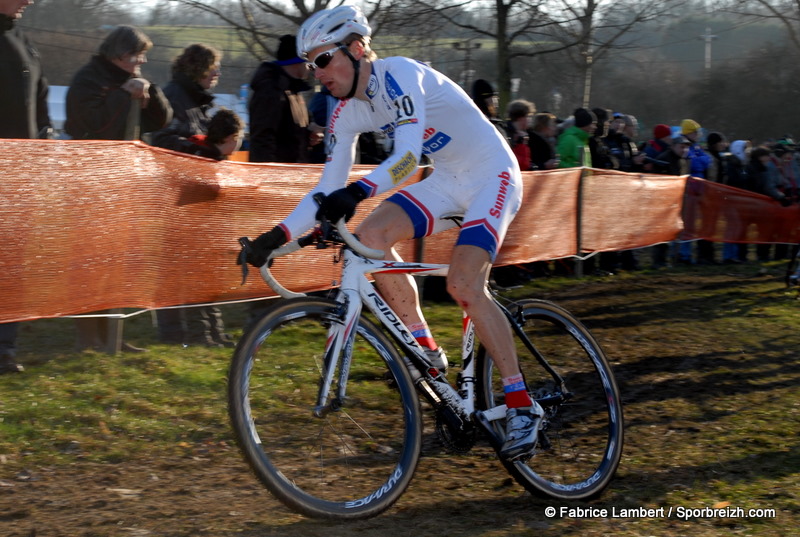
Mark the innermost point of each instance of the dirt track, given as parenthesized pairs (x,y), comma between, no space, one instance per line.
(680,384)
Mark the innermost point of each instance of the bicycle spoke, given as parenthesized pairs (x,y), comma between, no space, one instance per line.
(346,463)
(581,440)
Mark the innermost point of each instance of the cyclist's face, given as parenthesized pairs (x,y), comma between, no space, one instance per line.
(337,75)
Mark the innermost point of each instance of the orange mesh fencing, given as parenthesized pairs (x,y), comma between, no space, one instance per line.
(721,213)
(94,225)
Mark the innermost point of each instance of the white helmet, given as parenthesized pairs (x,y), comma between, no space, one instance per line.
(331,26)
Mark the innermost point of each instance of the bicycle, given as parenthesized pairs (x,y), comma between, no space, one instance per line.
(337,433)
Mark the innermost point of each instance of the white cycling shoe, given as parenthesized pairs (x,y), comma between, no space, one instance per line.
(522,432)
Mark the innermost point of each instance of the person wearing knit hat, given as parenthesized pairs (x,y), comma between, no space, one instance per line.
(717,147)
(573,144)
(689,126)
(287,51)
(278,113)
(485,97)
(700,164)
(584,117)
(662,131)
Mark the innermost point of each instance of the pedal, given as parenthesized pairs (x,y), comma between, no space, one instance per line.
(486,425)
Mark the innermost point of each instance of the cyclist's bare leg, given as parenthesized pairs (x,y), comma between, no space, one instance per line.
(383,228)
(466,283)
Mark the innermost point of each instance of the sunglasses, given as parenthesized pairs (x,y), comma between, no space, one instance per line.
(323,58)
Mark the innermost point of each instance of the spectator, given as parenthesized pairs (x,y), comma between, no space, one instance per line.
(717,172)
(109,100)
(623,155)
(661,142)
(278,114)
(23,108)
(597,147)
(485,98)
(786,164)
(631,129)
(621,148)
(542,142)
(699,164)
(761,180)
(700,160)
(195,72)
(519,121)
(736,176)
(673,161)
(225,133)
(573,144)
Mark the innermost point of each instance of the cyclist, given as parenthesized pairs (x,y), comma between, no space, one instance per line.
(475,174)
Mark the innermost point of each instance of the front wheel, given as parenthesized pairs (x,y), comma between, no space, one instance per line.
(357,458)
(580,444)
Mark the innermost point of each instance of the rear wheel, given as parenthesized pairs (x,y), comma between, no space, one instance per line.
(358,458)
(581,442)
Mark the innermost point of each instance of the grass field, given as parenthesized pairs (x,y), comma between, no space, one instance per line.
(706,359)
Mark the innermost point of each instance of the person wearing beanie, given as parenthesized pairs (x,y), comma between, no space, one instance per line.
(584,118)
(485,98)
(573,144)
(717,146)
(689,126)
(662,132)
(661,142)
(699,166)
(278,113)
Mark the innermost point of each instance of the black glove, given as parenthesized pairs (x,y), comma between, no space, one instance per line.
(256,252)
(785,201)
(341,203)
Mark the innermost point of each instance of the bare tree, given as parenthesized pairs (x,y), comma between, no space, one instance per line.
(786,12)
(527,28)
(70,14)
(259,22)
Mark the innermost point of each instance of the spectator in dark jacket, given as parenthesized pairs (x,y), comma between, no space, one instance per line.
(661,142)
(542,141)
(23,113)
(278,113)
(23,87)
(195,72)
(760,179)
(675,160)
(108,98)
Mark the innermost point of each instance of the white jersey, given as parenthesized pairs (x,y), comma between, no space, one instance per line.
(424,112)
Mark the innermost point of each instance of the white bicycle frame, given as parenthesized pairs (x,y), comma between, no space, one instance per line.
(356,290)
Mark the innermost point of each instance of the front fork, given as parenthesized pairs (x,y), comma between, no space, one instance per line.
(338,352)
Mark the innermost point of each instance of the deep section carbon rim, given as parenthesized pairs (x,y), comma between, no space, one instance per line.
(580,449)
(356,460)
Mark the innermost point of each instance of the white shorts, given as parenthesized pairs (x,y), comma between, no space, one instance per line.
(488,197)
